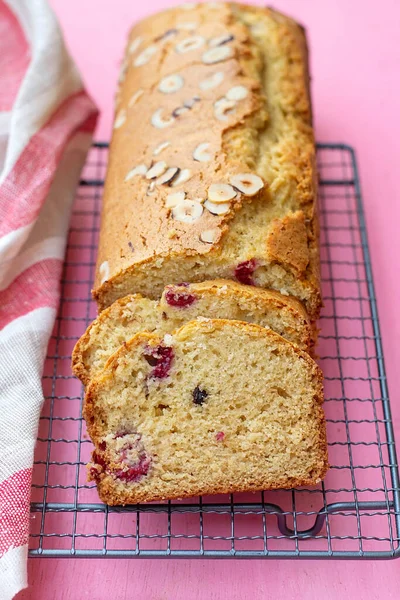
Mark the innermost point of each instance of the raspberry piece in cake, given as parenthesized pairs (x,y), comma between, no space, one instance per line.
(244,272)
(180,299)
(136,471)
(161,358)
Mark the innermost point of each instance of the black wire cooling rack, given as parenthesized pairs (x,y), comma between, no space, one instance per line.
(354,513)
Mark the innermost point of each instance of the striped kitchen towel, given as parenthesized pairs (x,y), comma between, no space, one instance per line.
(46,124)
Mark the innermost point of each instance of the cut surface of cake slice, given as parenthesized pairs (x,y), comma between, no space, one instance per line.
(219,406)
(181,303)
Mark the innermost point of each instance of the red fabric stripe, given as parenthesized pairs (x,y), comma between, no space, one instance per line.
(14,57)
(30,178)
(14,501)
(36,287)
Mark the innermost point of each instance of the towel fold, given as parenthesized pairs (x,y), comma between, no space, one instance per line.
(46,124)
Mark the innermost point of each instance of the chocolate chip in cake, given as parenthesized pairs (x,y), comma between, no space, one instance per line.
(131,246)
(199,395)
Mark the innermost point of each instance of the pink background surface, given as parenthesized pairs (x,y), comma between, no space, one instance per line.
(355,57)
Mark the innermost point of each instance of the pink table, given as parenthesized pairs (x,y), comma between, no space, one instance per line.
(354,61)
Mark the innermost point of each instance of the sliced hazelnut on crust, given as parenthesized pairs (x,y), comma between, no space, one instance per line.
(135,97)
(223,108)
(166,35)
(209,236)
(174,199)
(158,121)
(238,92)
(188,26)
(187,6)
(247,183)
(134,45)
(123,71)
(221,40)
(139,170)
(104,271)
(217,54)
(180,111)
(171,84)
(156,170)
(217,209)
(221,193)
(200,152)
(212,81)
(144,57)
(168,176)
(191,43)
(160,148)
(120,119)
(191,102)
(187,211)
(151,188)
(184,175)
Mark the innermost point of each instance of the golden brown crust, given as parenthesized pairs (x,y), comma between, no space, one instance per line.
(114,494)
(80,365)
(268,132)
(121,314)
(287,242)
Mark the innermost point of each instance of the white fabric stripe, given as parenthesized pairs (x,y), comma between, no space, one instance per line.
(53,221)
(5,120)
(23,344)
(49,248)
(38,97)
(13,572)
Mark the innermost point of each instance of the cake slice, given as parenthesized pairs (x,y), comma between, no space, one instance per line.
(184,302)
(219,406)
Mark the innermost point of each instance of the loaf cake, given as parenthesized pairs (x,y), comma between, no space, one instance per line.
(218,406)
(211,169)
(185,302)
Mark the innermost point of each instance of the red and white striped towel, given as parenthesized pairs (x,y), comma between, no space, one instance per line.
(46,122)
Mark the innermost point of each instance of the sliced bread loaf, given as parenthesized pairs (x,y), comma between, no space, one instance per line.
(217,407)
(182,303)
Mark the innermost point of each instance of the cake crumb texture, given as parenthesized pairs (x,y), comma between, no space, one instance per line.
(225,406)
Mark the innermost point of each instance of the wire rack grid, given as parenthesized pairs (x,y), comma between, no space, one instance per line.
(354,513)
